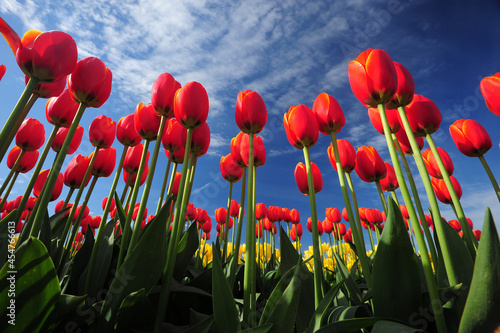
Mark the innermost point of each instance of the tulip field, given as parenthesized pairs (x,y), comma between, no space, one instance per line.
(400,268)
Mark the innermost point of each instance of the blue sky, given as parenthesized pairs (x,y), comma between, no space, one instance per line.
(289,52)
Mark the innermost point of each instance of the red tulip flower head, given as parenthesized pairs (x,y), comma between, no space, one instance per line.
(236,149)
(191,105)
(259,151)
(286,215)
(260,211)
(105,162)
(162,94)
(301,126)
(301,178)
(390,181)
(309,226)
(405,143)
(102,131)
(406,88)
(61,136)
(231,171)
(373,77)
(431,163)
(61,110)
(490,88)
(470,137)
(126,132)
(369,164)
(423,115)
(200,140)
(48,56)
(207,226)
(234,208)
(174,136)
(40,181)
(105,201)
(392,119)
(177,157)
(333,215)
(455,225)
(251,112)
(347,155)
(48,90)
(73,176)
(3,69)
(327,226)
(274,213)
(442,192)
(90,82)
(30,135)
(220,215)
(329,114)
(175,186)
(146,121)
(202,216)
(28,161)
(133,158)
(295,215)
(130,178)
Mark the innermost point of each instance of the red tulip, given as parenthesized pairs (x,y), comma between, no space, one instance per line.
(470,137)
(392,119)
(220,215)
(268,225)
(333,215)
(30,204)
(251,112)
(469,221)
(61,110)
(234,209)
(3,69)
(431,164)
(373,77)
(348,236)
(309,226)
(490,88)
(30,135)
(207,227)
(294,213)
(95,222)
(47,56)
(442,191)
(202,216)
(136,211)
(259,151)
(40,181)
(162,94)
(369,164)
(104,162)
(126,132)
(286,215)
(423,115)
(177,157)
(28,161)
(147,121)
(105,201)
(133,176)
(259,232)
(260,211)
(85,222)
(274,213)
(301,126)
(102,132)
(327,226)
(373,216)
(405,143)
(347,155)
(90,82)
(48,90)
(133,158)
(236,149)
(296,232)
(345,216)
(61,136)
(390,181)
(174,136)
(200,140)
(301,178)
(404,212)
(191,105)
(477,234)
(455,225)
(229,169)
(329,114)
(73,176)
(175,186)
(406,88)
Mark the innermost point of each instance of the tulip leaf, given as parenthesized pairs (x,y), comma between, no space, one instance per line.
(349,325)
(202,327)
(66,305)
(142,268)
(225,311)
(396,275)
(258,329)
(289,255)
(350,284)
(103,258)
(481,313)
(121,213)
(78,272)
(385,326)
(187,248)
(35,287)
(4,235)
(321,310)
(45,233)
(136,313)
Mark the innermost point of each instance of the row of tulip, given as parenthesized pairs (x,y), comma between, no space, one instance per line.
(176,119)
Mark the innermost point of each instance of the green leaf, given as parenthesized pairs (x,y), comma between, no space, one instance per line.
(348,325)
(141,269)
(78,274)
(258,329)
(348,312)
(136,312)
(322,309)
(396,276)
(103,259)
(352,287)
(5,223)
(289,255)
(187,248)
(385,326)
(36,288)
(202,327)
(45,233)
(481,313)
(275,296)
(225,312)
(120,212)
(66,305)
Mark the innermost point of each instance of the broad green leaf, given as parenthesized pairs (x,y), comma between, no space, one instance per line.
(352,287)
(289,255)
(396,276)
(6,223)
(349,325)
(348,312)
(120,212)
(66,305)
(202,327)
(80,263)
(258,329)
(35,289)
(385,326)
(321,310)
(141,269)
(482,310)
(45,233)
(225,312)
(186,250)
(136,312)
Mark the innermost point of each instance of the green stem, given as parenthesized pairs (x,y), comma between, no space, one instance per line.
(318,266)
(128,183)
(395,197)
(226,225)
(371,238)
(164,185)
(424,255)
(68,197)
(171,181)
(253,290)
(17,116)
(174,240)
(470,240)
(381,194)
(491,176)
(234,263)
(357,232)
(11,173)
(4,199)
(54,173)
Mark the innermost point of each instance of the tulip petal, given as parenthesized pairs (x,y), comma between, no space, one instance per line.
(10,36)
(490,88)
(477,135)
(359,83)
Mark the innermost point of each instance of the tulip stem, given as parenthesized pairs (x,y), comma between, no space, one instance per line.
(128,181)
(54,173)
(470,240)
(249,305)
(236,245)
(164,185)
(382,197)
(4,199)
(395,197)
(424,255)
(68,197)
(179,217)
(226,225)
(357,232)
(17,116)
(11,173)
(491,176)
